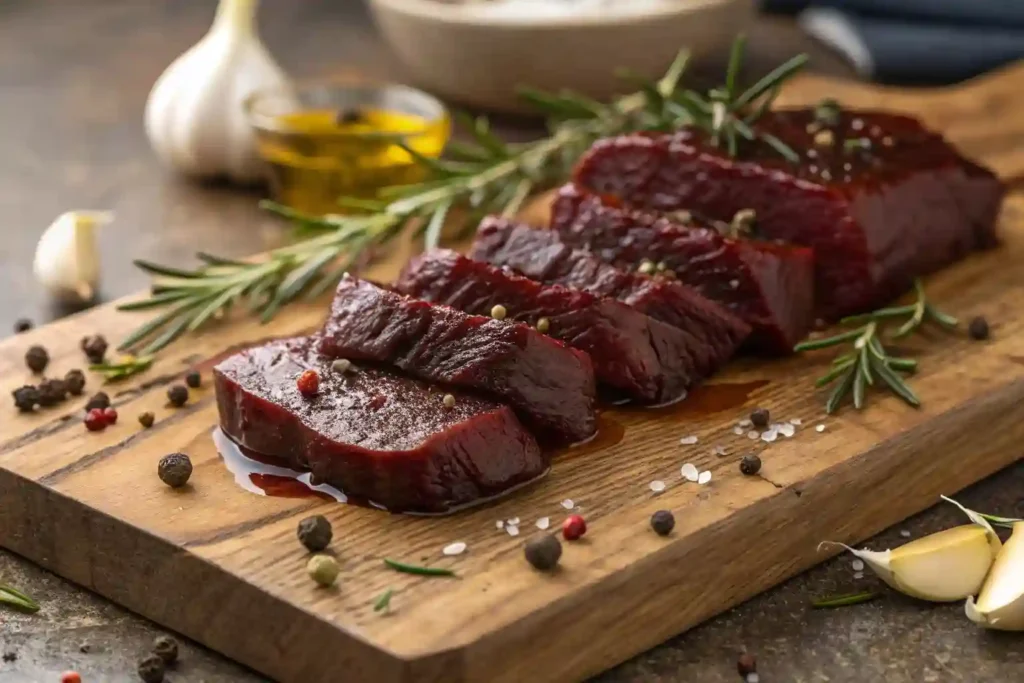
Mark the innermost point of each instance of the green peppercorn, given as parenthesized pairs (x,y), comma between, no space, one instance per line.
(194,379)
(74,381)
(178,395)
(750,465)
(37,358)
(543,552)
(175,469)
(315,533)
(147,419)
(152,669)
(663,522)
(166,648)
(323,569)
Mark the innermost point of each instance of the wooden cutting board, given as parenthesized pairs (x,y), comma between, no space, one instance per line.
(222,565)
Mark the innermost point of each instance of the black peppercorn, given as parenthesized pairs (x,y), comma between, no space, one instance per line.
(51,392)
(175,469)
(750,465)
(194,379)
(151,669)
(146,419)
(978,329)
(746,664)
(315,533)
(74,380)
(166,648)
(36,358)
(99,400)
(178,395)
(760,417)
(95,347)
(22,325)
(26,398)
(543,552)
(663,522)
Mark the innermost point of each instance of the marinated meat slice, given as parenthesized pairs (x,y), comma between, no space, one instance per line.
(550,385)
(769,286)
(714,333)
(375,434)
(643,358)
(879,198)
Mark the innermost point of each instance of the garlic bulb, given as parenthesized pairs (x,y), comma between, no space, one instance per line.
(195,116)
(944,567)
(1001,602)
(67,262)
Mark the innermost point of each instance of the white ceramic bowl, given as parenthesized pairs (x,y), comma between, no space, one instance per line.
(464,51)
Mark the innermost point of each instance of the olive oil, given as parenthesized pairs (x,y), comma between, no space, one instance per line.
(318,155)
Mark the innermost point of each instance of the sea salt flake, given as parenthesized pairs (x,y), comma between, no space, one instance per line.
(753,678)
(568,504)
(456,548)
(905,534)
(858,565)
(719,450)
(688,440)
(514,521)
(796,421)
(858,575)
(500,524)
(746,422)
(770,435)
(752,435)
(657,486)
(734,284)
(689,472)
(819,428)
(704,477)
(512,530)
(543,523)
(787,430)
(738,431)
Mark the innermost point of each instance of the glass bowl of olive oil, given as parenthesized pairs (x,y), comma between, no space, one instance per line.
(322,141)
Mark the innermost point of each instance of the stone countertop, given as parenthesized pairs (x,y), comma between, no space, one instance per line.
(73,81)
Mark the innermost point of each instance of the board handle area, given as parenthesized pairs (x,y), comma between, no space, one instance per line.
(984,116)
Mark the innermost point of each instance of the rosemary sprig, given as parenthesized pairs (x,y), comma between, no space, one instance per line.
(868,362)
(384,601)
(123,369)
(728,115)
(407,568)
(13,597)
(844,600)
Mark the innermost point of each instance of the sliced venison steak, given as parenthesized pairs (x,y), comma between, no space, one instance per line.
(373,433)
(879,198)
(769,286)
(541,256)
(643,358)
(550,385)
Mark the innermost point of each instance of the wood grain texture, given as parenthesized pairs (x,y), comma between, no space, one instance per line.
(223,566)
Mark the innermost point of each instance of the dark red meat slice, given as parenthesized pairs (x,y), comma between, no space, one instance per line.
(876,217)
(375,434)
(550,385)
(714,333)
(643,358)
(769,286)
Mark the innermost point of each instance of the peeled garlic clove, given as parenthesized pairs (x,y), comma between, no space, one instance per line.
(1001,602)
(67,261)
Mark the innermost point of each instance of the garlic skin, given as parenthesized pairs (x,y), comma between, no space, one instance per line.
(195,116)
(67,260)
(1000,604)
(947,566)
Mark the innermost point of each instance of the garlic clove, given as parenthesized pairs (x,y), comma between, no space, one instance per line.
(195,115)
(1000,605)
(67,260)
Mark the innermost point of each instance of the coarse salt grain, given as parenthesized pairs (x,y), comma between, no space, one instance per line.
(787,430)
(512,521)
(796,421)
(770,435)
(543,523)
(752,435)
(704,477)
(905,534)
(753,678)
(657,486)
(512,530)
(858,565)
(456,548)
(500,524)
(734,284)
(689,472)
(738,431)
(719,450)
(858,575)
(568,504)
(688,440)
(746,422)
(819,428)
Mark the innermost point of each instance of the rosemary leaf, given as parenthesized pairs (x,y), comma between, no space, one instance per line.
(417,569)
(14,598)
(858,386)
(432,237)
(384,601)
(777,75)
(814,344)
(840,392)
(844,600)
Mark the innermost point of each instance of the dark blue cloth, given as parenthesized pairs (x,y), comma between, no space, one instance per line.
(916,41)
